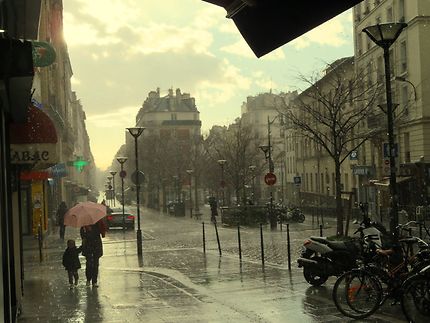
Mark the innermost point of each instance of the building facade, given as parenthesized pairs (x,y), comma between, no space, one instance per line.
(168,146)
(410,75)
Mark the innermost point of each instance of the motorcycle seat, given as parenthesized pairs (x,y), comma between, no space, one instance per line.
(337,245)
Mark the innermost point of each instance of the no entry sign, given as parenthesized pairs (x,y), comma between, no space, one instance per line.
(270,179)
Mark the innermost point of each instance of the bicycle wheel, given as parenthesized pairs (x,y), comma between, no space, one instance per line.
(357,294)
(416,299)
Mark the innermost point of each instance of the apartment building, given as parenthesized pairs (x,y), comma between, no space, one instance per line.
(410,75)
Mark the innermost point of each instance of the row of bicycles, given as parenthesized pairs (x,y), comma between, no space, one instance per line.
(373,268)
(400,273)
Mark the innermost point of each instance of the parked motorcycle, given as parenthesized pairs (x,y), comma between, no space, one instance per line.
(322,258)
(285,214)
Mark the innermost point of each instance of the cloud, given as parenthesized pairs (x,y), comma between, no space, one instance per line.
(118,118)
(332,33)
(84,34)
(241,48)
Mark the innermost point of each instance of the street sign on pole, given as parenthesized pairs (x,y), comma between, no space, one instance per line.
(122,174)
(270,179)
(137,179)
(297,180)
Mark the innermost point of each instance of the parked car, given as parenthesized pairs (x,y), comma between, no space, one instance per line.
(115,220)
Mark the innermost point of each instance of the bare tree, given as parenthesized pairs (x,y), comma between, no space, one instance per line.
(236,145)
(330,112)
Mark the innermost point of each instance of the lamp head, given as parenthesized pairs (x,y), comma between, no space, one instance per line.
(252,167)
(113,173)
(109,178)
(189,171)
(121,160)
(136,131)
(221,161)
(384,35)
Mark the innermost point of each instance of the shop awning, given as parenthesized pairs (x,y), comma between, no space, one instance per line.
(268,24)
(34,141)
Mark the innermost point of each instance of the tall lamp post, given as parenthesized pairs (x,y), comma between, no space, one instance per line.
(222,162)
(136,132)
(110,190)
(190,172)
(267,150)
(384,35)
(121,161)
(113,173)
(252,169)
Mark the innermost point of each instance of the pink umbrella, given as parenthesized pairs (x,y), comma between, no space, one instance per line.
(84,213)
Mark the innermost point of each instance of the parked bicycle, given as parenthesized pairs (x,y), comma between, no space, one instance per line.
(360,292)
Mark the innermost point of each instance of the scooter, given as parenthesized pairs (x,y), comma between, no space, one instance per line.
(322,258)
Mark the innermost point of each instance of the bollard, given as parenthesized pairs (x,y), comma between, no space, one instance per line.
(280,221)
(239,242)
(288,246)
(421,230)
(262,243)
(204,238)
(217,239)
(321,229)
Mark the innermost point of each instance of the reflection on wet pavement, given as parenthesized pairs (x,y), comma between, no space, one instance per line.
(178,283)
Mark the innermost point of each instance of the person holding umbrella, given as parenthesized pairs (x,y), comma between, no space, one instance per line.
(92,249)
(89,217)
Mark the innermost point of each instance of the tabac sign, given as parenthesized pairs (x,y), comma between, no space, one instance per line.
(33,154)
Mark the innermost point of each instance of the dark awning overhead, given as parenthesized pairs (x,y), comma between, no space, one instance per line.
(21,18)
(268,24)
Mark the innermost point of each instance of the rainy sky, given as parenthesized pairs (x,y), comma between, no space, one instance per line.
(122,49)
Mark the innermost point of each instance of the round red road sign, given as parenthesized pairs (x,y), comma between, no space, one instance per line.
(270,178)
(122,174)
(387,162)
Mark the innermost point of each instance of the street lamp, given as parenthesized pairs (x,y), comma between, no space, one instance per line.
(122,160)
(252,169)
(110,189)
(190,172)
(136,132)
(222,162)
(384,35)
(403,79)
(113,173)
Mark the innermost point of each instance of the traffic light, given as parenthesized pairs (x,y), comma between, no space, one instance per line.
(16,77)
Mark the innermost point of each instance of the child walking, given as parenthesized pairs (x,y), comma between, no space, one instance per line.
(71,262)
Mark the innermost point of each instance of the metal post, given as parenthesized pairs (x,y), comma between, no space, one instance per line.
(217,239)
(288,246)
(321,230)
(239,242)
(122,198)
(223,184)
(191,199)
(394,216)
(204,238)
(113,184)
(262,243)
(138,232)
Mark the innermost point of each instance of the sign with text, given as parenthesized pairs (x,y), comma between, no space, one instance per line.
(33,154)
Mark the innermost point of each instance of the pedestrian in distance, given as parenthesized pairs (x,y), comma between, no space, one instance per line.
(61,211)
(92,249)
(214,208)
(71,262)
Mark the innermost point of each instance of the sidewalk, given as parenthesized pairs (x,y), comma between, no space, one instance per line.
(178,282)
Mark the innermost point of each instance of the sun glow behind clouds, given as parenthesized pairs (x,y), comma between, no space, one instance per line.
(122,49)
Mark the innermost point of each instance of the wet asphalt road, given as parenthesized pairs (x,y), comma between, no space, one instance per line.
(177,282)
